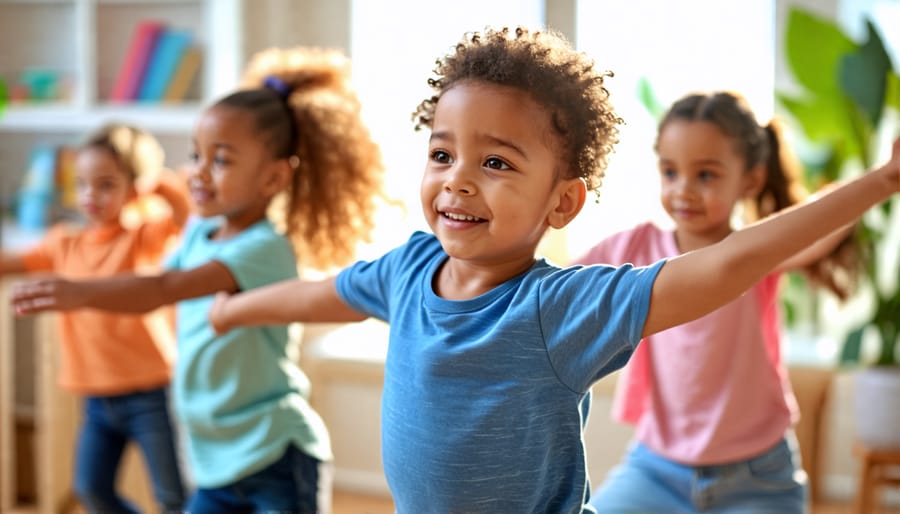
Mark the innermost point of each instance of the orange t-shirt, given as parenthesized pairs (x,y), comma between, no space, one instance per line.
(106,353)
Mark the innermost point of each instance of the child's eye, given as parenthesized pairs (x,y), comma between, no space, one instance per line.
(441,157)
(193,156)
(667,173)
(706,176)
(495,163)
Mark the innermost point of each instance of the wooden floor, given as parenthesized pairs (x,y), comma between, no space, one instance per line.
(353,503)
(350,503)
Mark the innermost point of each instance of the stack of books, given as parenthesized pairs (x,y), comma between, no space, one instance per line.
(160,65)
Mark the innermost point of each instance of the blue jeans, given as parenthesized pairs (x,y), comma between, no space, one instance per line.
(110,422)
(290,485)
(770,483)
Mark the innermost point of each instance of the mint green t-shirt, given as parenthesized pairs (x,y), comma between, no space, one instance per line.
(240,396)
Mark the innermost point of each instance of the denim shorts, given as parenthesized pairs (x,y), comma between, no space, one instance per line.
(772,482)
(294,484)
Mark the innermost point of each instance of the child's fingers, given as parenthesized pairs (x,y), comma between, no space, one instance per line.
(31,297)
(33,306)
(27,290)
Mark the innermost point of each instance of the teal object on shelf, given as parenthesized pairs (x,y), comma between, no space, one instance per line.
(37,196)
(42,84)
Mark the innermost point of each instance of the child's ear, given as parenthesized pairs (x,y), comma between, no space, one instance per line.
(755,181)
(569,199)
(279,177)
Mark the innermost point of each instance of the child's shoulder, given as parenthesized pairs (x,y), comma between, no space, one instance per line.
(65,230)
(622,246)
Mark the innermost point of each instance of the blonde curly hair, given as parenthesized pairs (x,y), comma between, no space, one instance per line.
(305,107)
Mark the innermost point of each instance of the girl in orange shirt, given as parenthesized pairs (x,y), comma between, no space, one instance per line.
(112,359)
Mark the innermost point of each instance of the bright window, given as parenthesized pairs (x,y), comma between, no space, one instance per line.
(679,47)
(394,44)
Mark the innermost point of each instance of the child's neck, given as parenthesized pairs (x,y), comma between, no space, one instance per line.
(459,279)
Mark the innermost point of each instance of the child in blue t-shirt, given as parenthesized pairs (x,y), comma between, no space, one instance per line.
(492,351)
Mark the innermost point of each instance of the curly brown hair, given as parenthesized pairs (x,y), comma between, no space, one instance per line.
(304,105)
(544,65)
(757,144)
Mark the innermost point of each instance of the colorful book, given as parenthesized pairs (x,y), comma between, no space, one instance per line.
(167,54)
(184,76)
(137,57)
(36,197)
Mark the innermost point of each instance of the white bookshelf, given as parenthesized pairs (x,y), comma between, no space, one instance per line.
(85,41)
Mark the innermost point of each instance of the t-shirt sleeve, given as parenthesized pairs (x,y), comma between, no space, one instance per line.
(155,236)
(40,256)
(262,259)
(593,317)
(366,285)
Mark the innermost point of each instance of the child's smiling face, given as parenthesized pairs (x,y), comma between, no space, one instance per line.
(491,185)
(103,187)
(231,173)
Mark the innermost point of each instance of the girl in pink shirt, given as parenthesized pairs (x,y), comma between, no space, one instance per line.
(710,399)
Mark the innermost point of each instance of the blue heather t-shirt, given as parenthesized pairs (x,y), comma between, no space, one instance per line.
(241,397)
(485,399)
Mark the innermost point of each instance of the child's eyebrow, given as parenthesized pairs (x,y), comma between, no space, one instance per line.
(493,140)
(698,162)
(224,146)
(508,144)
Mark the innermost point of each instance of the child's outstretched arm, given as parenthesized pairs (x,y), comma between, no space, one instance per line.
(128,293)
(282,303)
(696,283)
(171,188)
(10,263)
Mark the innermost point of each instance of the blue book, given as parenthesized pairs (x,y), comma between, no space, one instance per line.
(37,195)
(163,63)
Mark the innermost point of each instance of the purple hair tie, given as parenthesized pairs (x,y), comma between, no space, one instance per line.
(279,86)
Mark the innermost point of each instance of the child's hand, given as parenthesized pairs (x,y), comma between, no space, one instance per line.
(44,295)
(147,183)
(217,318)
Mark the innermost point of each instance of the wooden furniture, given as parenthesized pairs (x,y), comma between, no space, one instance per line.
(53,413)
(878,468)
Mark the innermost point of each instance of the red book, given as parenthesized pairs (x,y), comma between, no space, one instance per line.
(131,73)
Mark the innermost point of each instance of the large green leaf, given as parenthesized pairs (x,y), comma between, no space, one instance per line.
(814,47)
(851,353)
(863,75)
(823,120)
(4,97)
(648,99)
(892,91)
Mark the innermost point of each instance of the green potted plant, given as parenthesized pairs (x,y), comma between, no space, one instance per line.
(847,112)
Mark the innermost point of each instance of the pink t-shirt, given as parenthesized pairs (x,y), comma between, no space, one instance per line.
(711,391)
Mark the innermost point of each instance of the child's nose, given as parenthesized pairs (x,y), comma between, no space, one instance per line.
(459,180)
(199,170)
(684,187)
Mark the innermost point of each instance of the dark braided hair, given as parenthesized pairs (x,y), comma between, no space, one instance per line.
(545,66)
